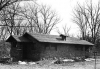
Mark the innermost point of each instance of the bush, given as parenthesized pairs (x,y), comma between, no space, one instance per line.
(78,59)
(4,60)
(58,62)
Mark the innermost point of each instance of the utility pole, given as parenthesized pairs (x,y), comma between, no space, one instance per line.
(95,53)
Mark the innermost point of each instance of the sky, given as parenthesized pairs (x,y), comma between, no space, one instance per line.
(64,9)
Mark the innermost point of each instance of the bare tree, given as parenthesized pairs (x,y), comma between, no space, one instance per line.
(10,19)
(30,15)
(65,30)
(42,17)
(15,20)
(87,17)
(49,17)
(80,20)
(5,3)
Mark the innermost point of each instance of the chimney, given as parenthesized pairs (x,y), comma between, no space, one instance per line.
(63,37)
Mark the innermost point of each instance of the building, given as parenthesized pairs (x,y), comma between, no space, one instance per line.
(32,46)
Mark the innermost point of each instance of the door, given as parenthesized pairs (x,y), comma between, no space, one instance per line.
(25,51)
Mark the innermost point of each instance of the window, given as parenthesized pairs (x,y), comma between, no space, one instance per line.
(79,48)
(45,47)
(14,44)
(50,47)
(86,48)
(32,46)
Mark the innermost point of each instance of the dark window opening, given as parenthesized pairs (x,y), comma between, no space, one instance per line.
(33,46)
(86,48)
(79,48)
(45,47)
(50,47)
(14,44)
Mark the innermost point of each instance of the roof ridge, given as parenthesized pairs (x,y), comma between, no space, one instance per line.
(50,35)
(55,39)
(41,34)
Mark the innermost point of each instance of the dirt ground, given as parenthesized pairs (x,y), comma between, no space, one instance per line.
(49,65)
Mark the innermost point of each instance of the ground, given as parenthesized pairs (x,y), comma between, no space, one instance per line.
(49,65)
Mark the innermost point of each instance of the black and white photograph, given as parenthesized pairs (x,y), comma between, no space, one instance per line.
(49,34)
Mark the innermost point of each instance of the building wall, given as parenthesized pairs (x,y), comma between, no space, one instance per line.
(16,51)
(48,50)
(34,51)
(62,51)
(38,51)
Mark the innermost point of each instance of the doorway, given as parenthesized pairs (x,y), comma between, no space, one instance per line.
(26,51)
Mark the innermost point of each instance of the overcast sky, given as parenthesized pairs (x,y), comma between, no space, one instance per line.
(64,9)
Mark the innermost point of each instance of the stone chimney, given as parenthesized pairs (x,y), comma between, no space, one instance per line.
(63,37)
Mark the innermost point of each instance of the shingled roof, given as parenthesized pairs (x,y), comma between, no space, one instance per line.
(48,38)
(56,39)
(17,38)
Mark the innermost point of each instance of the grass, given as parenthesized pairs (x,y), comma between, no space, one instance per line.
(49,65)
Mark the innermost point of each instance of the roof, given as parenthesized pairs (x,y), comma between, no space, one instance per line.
(56,39)
(49,39)
(18,38)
